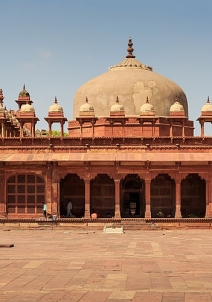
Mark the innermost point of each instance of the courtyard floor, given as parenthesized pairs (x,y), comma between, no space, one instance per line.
(90,266)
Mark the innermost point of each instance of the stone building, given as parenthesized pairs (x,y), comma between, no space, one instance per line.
(130,151)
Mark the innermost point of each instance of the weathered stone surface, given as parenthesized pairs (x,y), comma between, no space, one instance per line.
(113,230)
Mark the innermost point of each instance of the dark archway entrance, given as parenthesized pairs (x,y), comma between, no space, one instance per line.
(103,196)
(73,188)
(193,196)
(162,192)
(132,197)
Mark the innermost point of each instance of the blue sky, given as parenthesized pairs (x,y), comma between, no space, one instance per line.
(55,46)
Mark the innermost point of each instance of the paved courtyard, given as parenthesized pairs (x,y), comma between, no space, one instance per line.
(89,266)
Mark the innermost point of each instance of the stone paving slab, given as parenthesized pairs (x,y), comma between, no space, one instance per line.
(147,266)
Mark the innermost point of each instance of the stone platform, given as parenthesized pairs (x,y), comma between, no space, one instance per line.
(89,266)
(100,223)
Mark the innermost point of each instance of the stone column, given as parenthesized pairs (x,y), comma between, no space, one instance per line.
(178,199)
(147,198)
(3,209)
(208,213)
(21,129)
(50,128)
(202,128)
(87,198)
(61,129)
(33,129)
(55,198)
(183,128)
(2,130)
(171,129)
(153,128)
(49,190)
(117,198)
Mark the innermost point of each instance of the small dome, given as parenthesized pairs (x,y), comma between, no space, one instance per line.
(24,93)
(117,107)
(27,108)
(147,108)
(207,107)
(176,107)
(86,109)
(55,107)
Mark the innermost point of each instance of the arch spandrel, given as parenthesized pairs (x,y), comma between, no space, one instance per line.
(202,175)
(170,174)
(62,174)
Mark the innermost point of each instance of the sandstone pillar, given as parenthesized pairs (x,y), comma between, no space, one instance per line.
(61,129)
(3,209)
(117,198)
(208,213)
(171,129)
(49,190)
(178,199)
(87,198)
(202,128)
(183,128)
(55,198)
(147,198)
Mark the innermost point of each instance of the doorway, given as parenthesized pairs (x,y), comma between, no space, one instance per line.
(132,199)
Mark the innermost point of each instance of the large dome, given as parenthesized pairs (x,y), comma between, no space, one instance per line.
(133,82)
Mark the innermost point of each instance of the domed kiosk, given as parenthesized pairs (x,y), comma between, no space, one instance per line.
(132,81)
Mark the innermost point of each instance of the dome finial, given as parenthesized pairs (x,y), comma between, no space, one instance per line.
(24,87)
(208,100)
(86,100)
(147,100)
(117,100)
(1,97)
(176,99)
(55,100)
(130,49)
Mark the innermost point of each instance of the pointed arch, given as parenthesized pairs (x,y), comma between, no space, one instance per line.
(102,195)
(132,196)
(162,200)
(72,187)
(193,196)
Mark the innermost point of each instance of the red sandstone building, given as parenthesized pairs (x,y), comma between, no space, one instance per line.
(130,151)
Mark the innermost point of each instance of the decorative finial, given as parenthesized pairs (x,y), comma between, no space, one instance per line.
(1,97)
(86,99)
(24,87)
(176,99)
(117,100)
(208,100)
(55,100)
(147,100)
(130,49)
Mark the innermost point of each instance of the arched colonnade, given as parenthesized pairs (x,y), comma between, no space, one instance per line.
(133,196)
(124,195)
